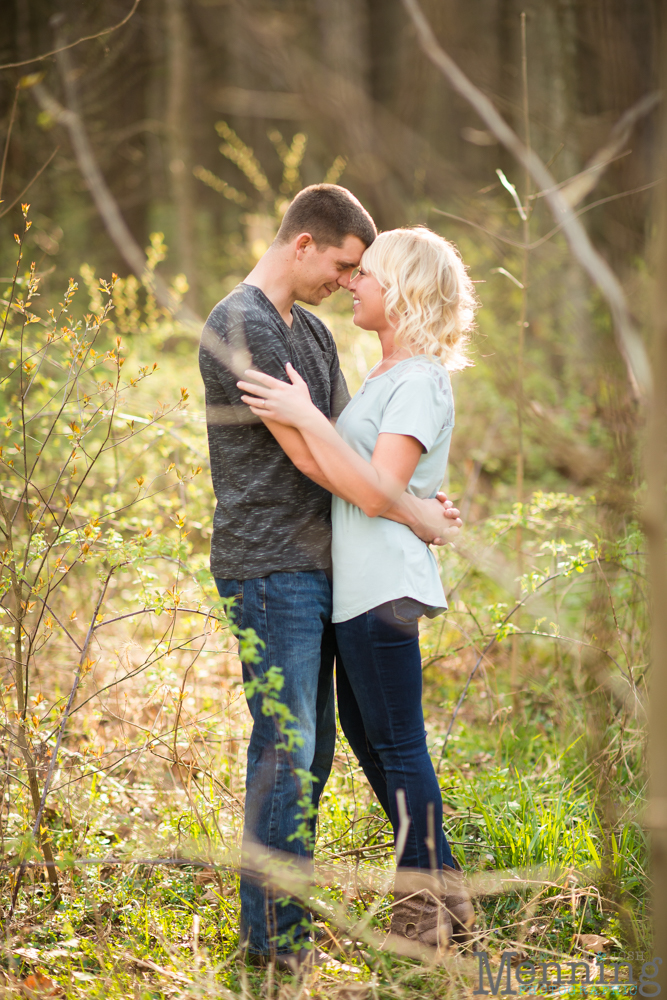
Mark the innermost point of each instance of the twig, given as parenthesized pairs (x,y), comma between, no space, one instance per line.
(476,225)
(490,644)
(146,963)
(9,135)
(193,862)
(385,846)
(30,184)
(86,38)
(106,203)
(144,611)
(556,229)
(582,173)
(58,622)
(467,685)
(618,627)
(582,184)
(236,360)
(54,756)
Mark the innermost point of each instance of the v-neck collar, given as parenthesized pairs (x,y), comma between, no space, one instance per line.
(256,288)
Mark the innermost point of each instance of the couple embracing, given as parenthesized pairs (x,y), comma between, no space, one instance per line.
(326,506)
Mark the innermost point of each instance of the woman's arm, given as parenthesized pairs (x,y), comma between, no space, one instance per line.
(372,486)
(431,520)
(376,486)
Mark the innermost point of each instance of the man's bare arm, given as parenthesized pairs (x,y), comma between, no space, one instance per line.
(430,520)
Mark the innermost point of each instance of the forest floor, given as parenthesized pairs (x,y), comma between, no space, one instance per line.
(525,819)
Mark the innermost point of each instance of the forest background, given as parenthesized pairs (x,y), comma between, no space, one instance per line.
(203,118)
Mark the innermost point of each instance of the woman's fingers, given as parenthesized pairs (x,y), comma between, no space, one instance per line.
(262,377)
(293,374)
(257,390)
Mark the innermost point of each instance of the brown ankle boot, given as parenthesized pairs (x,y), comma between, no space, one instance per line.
(459,905)
(418,913)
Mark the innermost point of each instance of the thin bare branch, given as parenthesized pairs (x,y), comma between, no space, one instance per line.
(628,340)
(29,184)
(72,45)
(552,232)
(81,669)
(12,115)
(107,206)
(578,187)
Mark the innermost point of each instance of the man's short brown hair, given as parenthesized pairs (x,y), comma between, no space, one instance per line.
(329,213)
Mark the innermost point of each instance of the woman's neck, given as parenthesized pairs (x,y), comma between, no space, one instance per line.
(392,351)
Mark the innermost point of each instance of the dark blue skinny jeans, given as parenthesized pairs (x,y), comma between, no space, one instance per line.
(379,685)
(291,614)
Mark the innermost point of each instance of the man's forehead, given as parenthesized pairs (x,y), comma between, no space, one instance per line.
(350,253)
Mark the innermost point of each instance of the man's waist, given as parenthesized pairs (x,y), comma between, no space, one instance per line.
(247,566)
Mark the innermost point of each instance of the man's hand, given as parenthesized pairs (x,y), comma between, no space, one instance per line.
(439,520)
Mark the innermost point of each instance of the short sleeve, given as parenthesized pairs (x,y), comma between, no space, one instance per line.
(251,343)
(420,406)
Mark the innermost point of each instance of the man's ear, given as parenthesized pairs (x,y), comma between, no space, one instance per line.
(301,244)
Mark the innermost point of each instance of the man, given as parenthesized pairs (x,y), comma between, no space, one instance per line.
(272,533)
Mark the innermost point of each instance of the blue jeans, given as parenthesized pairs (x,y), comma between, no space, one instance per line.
(291,614)
(379,683)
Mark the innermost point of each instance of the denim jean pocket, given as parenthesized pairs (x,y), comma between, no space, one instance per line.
(232,588)
(407,610)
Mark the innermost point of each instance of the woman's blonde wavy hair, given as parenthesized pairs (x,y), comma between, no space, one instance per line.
(427,287)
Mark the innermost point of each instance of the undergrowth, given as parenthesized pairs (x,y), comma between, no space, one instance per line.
(105,585)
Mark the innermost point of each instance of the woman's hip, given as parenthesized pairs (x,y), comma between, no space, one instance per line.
(379,654)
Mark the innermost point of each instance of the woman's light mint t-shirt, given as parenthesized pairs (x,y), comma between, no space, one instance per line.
(376,560)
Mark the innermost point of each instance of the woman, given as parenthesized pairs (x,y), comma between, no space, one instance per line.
(413,290)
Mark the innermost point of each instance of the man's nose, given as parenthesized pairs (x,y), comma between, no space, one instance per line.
(344,279)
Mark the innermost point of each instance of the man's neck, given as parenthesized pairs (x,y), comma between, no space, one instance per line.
(271,274)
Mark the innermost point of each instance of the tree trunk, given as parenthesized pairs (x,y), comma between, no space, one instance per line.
(180,165)
(155,104)
(655,522)
(345,49)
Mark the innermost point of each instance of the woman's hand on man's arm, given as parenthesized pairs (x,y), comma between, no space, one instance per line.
(377,487)
(435,521)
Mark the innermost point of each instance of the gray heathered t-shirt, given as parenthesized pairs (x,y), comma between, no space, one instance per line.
(269,516)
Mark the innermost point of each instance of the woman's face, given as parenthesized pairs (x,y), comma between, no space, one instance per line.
(368,298)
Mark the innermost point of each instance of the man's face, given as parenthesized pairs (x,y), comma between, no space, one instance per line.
(319,273)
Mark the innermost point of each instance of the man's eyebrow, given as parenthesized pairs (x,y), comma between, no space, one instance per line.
(343,265)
